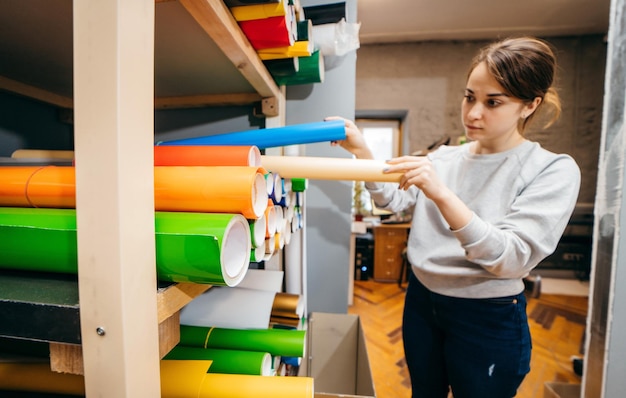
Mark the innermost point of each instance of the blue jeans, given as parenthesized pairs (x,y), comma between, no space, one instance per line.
(480,348)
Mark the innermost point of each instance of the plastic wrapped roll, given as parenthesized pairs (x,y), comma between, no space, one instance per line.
(190,247)
(331,130)
(229,308)
(281,342)
(318,168)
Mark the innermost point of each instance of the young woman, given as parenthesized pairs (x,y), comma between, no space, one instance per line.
(484,215)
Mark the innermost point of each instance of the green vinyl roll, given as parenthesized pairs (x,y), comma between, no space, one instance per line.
(305,30)
(190,247)
(226,361)
(299,184)
(311,70)
(282,66)
(279,342)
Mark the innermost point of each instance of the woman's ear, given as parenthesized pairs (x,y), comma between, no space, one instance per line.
(531,107)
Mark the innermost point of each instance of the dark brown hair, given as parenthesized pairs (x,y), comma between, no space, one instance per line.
(526,68)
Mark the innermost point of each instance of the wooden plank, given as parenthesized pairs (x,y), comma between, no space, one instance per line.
(68,358)
(172,298)
(34,92)
(217,21)
(197,101)
(114,141)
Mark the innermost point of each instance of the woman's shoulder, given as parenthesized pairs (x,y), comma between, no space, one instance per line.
(536,156)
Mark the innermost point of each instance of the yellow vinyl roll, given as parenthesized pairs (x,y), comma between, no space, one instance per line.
(260,11)
(318,168)
(179,379)
(218,385)
(183,378)
(297,49)
(37,377)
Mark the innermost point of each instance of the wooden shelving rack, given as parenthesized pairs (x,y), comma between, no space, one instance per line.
(110,64)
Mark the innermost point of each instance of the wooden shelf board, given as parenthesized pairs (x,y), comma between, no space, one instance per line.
(201,57)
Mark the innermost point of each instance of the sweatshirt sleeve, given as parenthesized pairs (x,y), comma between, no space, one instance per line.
(533,226)
(387,196)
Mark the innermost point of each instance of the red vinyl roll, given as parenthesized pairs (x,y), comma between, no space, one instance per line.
(268,32)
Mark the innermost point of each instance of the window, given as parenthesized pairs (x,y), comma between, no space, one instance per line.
(383,136)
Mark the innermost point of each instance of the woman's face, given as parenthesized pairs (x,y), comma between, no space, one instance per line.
(490,116)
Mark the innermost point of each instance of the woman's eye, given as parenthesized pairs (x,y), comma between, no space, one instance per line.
(493,103)
(468,98)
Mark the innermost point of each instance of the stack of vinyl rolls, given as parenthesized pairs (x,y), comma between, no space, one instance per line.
(283,213)
(204,199)
(213,200)
(283,38)
(179,378)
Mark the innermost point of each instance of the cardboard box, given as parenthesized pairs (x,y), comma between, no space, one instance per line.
(553,389)
(337,357)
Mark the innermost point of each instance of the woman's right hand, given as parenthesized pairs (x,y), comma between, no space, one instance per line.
(354,142)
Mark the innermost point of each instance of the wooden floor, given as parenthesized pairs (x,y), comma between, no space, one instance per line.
(557,325)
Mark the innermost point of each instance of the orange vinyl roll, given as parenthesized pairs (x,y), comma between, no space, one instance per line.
(38,186)
(270,218)
(213,189)
(210,189)
(207,155)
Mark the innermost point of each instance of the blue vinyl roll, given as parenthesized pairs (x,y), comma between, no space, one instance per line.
(331,130)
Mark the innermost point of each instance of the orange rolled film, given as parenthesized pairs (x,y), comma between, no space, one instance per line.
(210,189)
(207,155)
(270,219)
(213,189)
(38,186)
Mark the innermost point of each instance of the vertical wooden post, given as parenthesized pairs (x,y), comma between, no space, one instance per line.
(114,138)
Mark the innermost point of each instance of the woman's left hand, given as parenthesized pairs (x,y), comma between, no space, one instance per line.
(418,171)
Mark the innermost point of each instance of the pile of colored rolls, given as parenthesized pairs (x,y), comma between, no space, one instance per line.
(283,38)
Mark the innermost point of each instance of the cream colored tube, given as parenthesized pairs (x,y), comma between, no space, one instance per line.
(318,168)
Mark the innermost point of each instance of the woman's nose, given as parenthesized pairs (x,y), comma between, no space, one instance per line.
(475,111)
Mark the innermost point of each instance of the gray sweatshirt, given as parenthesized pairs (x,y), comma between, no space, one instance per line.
(522,200)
